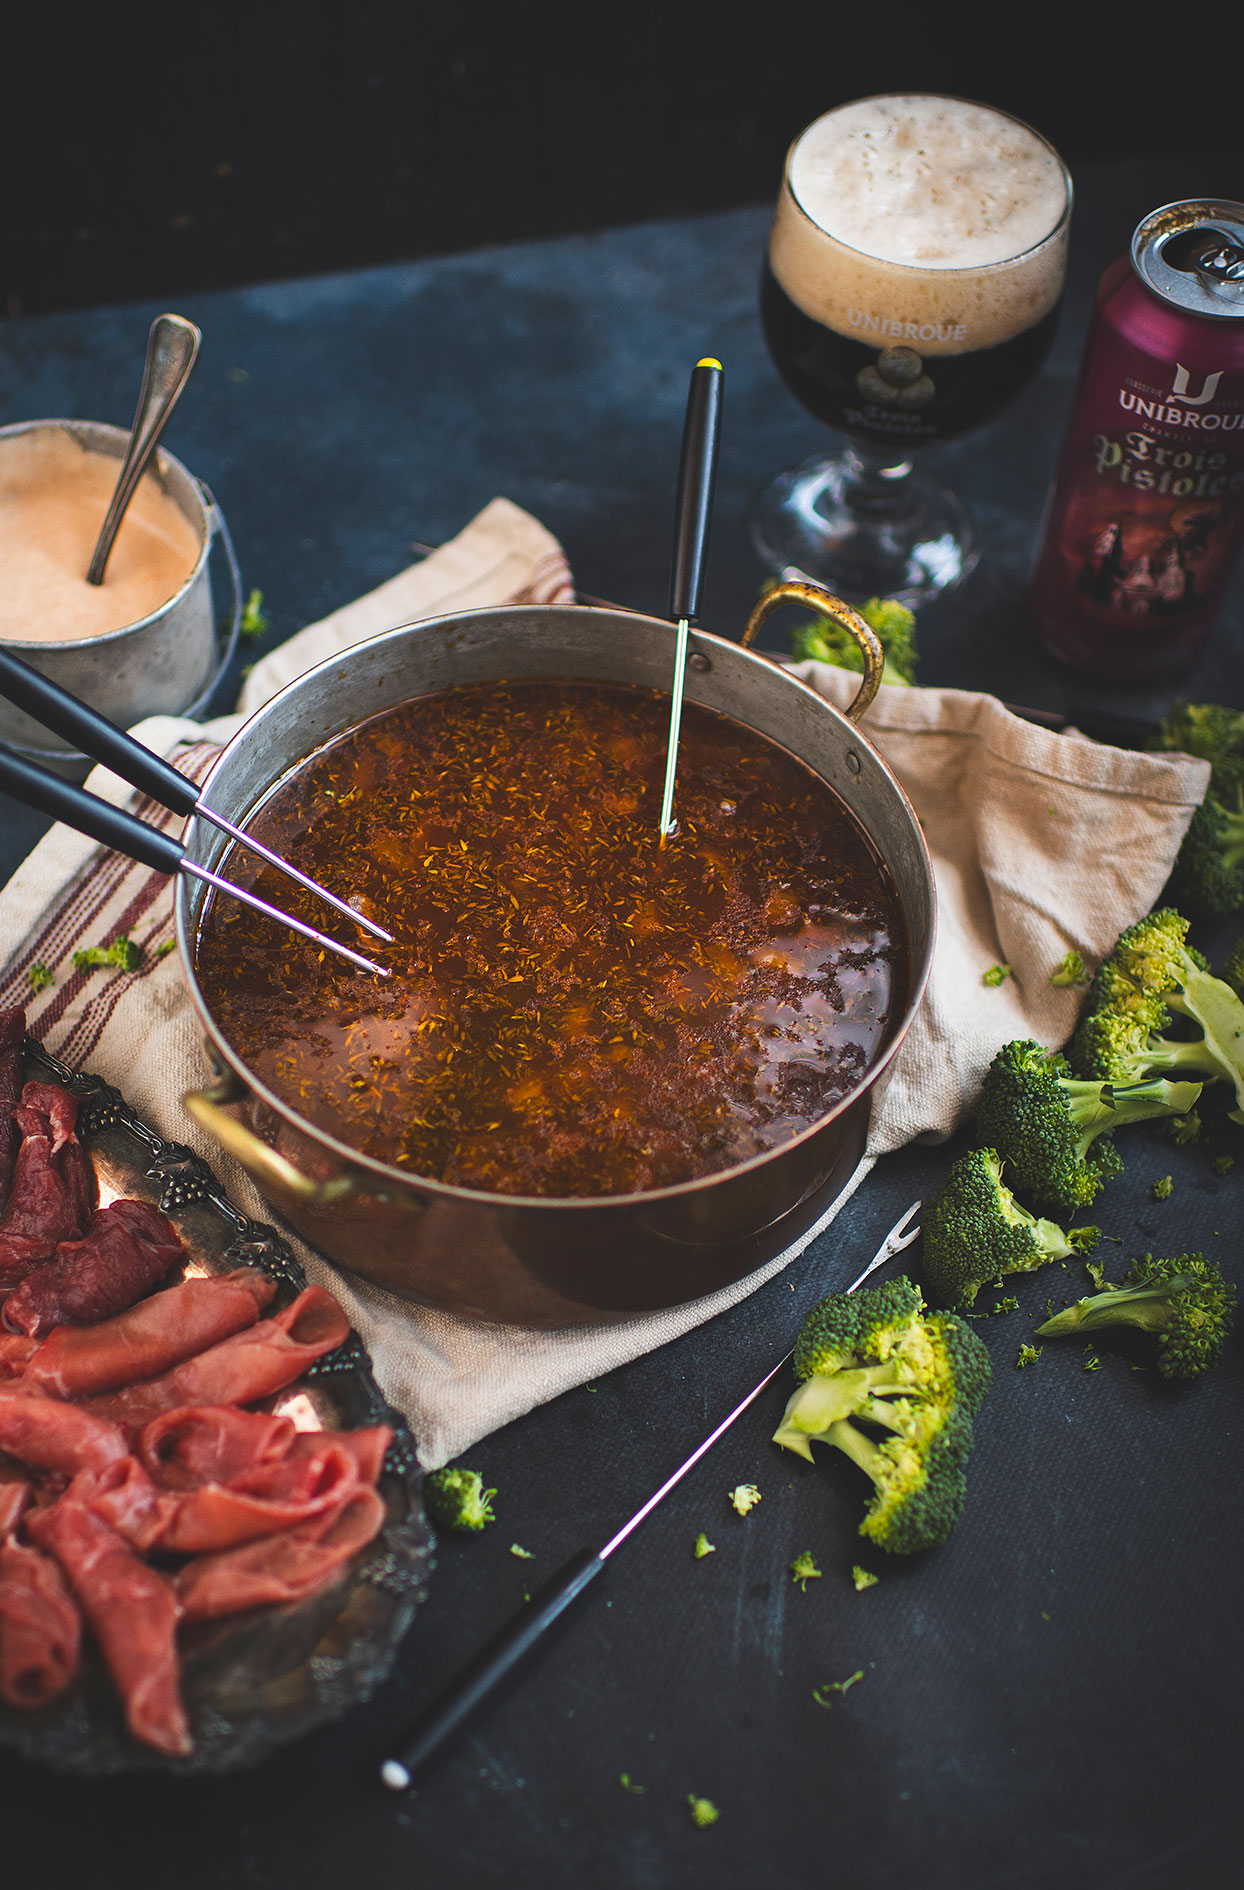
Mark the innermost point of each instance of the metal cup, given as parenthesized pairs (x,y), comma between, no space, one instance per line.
(166,662)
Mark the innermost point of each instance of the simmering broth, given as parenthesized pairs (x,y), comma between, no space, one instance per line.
(574,1010)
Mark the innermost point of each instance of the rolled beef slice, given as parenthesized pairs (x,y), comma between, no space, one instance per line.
(250,1365)
(40,1627)
(133,1612)
(152,1337)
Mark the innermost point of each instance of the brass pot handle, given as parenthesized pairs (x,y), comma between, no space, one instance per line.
(270,1170)
(842,614)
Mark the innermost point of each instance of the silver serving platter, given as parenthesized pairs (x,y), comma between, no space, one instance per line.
(255,1681)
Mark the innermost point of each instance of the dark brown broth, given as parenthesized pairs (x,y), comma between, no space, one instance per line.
(574,1009)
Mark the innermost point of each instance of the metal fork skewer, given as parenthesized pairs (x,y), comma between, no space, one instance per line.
(503,1653)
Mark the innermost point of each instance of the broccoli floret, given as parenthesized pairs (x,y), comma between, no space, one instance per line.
(1184,1130)
(876,1358)
(40,977)
(702,1547)
(1150,973)
(1185,1300)
(1028,1355)
(1208,875)
(996,975)
(744,1496)
(1053,1131)
(863,1578)
(458,1500)
(804,1570)
(1071,971)
(975,1230)
(824,642)
(122,952)
(703,1811)
(1163,1188)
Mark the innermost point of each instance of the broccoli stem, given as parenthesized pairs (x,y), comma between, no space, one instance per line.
(1098,1107)
(824,1398)
(1148,1307)
(1212,1004)
(860,1449)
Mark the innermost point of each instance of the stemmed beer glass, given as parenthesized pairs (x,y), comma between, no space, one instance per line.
(911,289)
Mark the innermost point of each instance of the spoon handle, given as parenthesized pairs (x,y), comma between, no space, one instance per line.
(172,346)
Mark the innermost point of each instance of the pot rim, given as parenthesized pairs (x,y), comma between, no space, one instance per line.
(386,1172)
(109,637)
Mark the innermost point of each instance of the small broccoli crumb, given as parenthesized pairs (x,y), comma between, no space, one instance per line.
(1096,1271)
(703,1811)
(1092,1363)
(703,1546)
(624,1780)
(996,974)
(1223,1164)
(253,622)
(40,977)
(1028,1355)
(1009,1304)
(1185,1129)
(1163,1188)
(1084,1239)
(835,1686)
(804,1570)
(524,1555)
(1071,971)
(123,952)
(744,1496)
(864,1578)
(162,951)
(458,1499)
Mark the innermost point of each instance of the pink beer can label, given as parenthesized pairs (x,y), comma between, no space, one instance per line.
(1147,513)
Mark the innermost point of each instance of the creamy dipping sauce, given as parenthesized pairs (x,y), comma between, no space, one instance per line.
(54,494)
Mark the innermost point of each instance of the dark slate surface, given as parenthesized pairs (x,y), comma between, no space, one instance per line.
(1047,1701)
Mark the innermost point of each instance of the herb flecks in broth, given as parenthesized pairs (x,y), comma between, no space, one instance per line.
(574,1009)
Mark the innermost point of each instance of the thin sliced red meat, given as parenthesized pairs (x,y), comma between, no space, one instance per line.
(158,1333)
(53,1189)
(278,1496)
(129,1502)
(282,1568)
(183,1450)
(40,1628)
(367,1447)
(49,1435)
(133,1613)
(250,1365)
(16,1490)
(12,1030)
(127,1249)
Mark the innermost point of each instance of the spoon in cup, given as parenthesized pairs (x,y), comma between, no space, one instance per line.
(172,346)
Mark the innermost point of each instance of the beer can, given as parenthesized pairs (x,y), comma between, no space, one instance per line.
(1147,511)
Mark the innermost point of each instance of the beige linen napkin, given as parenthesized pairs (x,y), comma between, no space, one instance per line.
(1040,843)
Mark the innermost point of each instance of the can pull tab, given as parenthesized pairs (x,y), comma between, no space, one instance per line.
(1219,265)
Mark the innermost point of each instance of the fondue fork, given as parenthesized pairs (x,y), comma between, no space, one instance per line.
(26,781)
(504,1652)
(67,715)
(697,469)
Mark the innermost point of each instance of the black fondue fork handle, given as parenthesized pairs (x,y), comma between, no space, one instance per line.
(26,781)
(697,472)
(78,722)
(75,721)
(113,827)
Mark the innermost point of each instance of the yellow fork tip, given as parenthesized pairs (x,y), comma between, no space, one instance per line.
(708,361)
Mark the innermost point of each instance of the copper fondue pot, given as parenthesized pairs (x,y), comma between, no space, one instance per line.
(535,1260)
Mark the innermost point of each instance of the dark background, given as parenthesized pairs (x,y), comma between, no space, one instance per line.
(160,151)
(1049,1703)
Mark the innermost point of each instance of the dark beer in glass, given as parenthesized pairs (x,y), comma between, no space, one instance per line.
(911,289)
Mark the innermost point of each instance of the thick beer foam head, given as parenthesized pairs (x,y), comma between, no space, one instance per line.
(924,210)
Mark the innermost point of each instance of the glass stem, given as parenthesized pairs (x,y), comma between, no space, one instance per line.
(877,486)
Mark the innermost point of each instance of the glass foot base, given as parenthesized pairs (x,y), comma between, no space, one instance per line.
(864,530)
